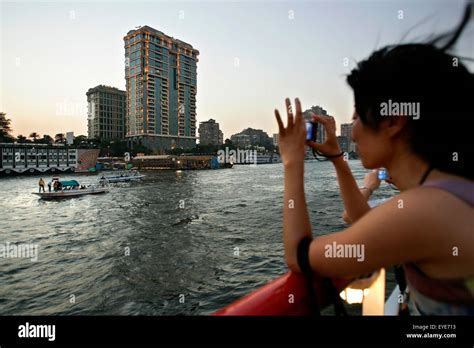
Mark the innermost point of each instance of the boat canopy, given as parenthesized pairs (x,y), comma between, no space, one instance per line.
(67,183)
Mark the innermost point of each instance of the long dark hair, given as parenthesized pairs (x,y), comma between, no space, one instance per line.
(427,74)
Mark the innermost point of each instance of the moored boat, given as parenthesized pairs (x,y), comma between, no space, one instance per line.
(123,177)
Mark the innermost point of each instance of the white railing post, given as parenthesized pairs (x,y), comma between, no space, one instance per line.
(374,301)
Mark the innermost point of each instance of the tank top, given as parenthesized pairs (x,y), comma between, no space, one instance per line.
(429,296)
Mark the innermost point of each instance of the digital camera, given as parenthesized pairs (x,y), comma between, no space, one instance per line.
(311,131)
(383,174)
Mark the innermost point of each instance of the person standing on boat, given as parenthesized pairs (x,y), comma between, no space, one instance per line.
(41,184)
(427,227)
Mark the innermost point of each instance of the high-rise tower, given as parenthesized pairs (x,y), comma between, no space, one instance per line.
(160,74)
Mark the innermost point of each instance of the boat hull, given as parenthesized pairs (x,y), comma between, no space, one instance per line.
(124,179)
(69,194)
(287,295)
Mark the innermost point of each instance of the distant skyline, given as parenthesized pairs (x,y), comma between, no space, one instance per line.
(252,54)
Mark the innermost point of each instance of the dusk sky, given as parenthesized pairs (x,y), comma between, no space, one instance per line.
(252,54)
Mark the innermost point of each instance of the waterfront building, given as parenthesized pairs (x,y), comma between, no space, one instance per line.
(251,137)
(160,74)
(43,158)
(352,147)
(221,138)
(210,134)
(240,140)
(346,131)
(343,143)
(105,113)
(173,162)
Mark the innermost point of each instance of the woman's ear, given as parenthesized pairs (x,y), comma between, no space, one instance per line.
(394,125)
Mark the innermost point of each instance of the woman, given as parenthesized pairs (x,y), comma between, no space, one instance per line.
(428,227)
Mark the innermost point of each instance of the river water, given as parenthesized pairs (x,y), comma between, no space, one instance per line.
(176,243)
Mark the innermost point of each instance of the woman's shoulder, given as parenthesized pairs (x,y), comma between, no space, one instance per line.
(436,216)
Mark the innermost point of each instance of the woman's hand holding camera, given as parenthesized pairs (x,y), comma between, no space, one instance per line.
(331,146)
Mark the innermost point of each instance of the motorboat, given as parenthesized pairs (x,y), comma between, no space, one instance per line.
(69,188)
(133,175)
